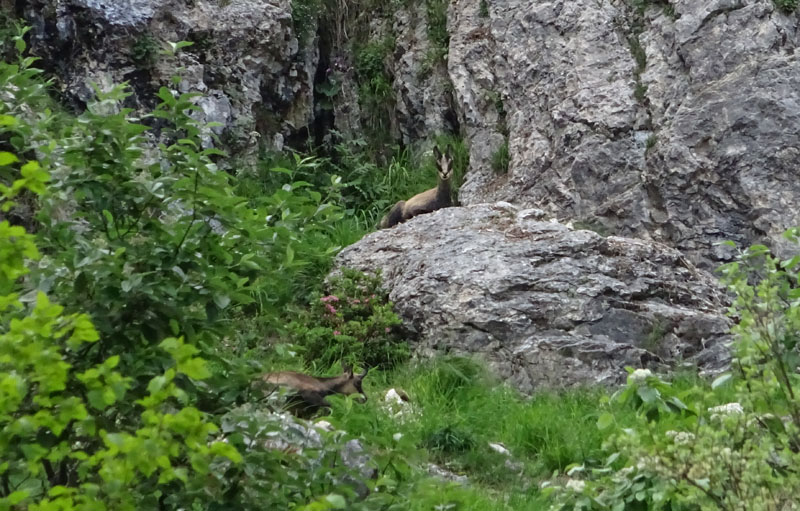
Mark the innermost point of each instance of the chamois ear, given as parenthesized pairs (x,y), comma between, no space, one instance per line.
(449,153)
(348,370)
(437,153)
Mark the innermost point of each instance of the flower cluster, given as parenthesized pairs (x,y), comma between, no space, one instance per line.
(353,323)
(640,376)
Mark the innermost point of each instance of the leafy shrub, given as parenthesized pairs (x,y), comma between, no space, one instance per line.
(353,324)
(64,443)
(436,11)
(304,18)
(285,462)
(158,243)
(144,50)
(733,444)
(153,241)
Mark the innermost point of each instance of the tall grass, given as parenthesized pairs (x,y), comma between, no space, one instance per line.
(460,409)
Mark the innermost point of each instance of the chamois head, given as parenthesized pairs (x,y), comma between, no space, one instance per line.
(444,163)
(351,384)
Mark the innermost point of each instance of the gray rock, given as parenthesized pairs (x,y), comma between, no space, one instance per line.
(245,57)
(675,126)
(262,429)
(422,102)
(543,304)
(444,474)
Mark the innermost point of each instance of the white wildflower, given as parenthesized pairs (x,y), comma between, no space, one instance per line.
(717,412)
(397,436)
(683,437)
(639,376)
(576,485)
(324,425)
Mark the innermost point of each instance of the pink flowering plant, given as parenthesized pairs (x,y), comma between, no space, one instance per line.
(352,323)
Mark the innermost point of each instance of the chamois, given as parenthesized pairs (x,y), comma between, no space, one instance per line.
(310,392)
(429,200)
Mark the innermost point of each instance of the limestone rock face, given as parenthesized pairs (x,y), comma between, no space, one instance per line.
(677,123)
(421,103)
(246,59)
(544,304)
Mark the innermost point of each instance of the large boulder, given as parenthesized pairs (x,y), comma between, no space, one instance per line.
(674,121)
(546,305)
(256,75)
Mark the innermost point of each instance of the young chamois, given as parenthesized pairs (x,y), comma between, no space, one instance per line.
(309,392)
(429,200)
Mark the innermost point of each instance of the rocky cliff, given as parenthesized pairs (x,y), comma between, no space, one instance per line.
(255,71)
(667,120)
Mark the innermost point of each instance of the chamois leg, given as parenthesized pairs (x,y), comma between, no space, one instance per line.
(394,216)
(309,403)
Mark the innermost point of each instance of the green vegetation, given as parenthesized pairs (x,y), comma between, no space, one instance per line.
(375,93)
(728,445)
(640,59)
(456,410)
(787,6)
(144,50)
(142,290)
(483,9)
(642,5)
(355,325)
(438,37)
(501,159)
(651,142)
(436,11)
(591,224)
(304,18)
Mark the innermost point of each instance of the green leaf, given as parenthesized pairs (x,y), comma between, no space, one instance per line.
(721,380)
(336,501)
(221,300)
(7,158)
(226,450)
(17,497)
(194,368)
(605,421)
(649,395)
(289,254)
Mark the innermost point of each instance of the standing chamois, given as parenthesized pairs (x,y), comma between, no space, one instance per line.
(429,200)
(310,392)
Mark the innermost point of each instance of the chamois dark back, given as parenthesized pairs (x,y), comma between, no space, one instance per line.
(429,200)
(309,392)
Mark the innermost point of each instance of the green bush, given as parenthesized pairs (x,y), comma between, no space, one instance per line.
(64,442)
(144,50)
(729,445)
(787,6)
(154,242)
(304,18)
(353,324)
